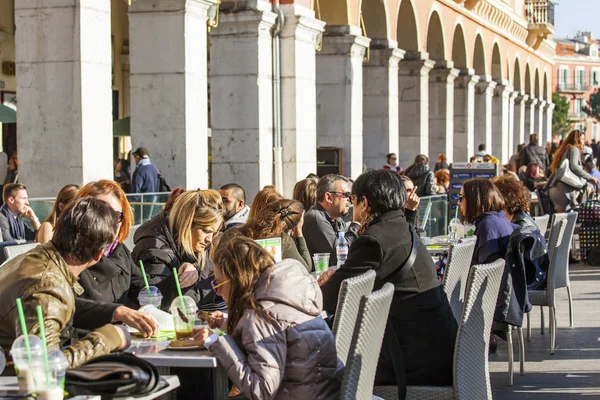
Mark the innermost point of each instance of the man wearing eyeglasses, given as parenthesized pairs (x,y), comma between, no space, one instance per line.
(324,220)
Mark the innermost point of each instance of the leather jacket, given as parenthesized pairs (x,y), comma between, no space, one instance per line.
(42,277)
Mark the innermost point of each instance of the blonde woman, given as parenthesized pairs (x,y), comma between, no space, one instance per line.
(181,238)
(46,231)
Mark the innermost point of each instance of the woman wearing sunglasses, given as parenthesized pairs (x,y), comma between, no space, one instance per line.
(278,346)
(108,284)
(482,204)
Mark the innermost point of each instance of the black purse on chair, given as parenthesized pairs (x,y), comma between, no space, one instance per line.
(117,374)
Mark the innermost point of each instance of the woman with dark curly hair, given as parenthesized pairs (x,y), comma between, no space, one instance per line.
(517,200)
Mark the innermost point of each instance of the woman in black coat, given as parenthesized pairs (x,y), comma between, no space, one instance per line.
(418,348)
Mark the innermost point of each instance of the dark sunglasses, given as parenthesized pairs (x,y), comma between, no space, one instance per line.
(461,197)
(347,195)
(121,215)
(393,158)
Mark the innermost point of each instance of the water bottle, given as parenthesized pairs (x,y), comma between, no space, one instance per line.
(341,249)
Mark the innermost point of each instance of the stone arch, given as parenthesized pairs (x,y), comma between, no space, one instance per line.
(334,12)
(517,75)
(436,46)
(375,16)
(545,93)
(537,87)
(479,57)
(459,48)
(497,63)
(527,86)
(408,30)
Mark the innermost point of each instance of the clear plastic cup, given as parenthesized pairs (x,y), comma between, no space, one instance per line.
(153,298)
(50,385)
(23,360)
(183,329)
(321,262)
(164,319)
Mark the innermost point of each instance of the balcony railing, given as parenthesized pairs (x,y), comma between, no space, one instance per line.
(573,87)
(577,115)
(539,12)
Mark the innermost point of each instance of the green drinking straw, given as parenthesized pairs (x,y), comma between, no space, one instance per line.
(179,291)
(44,346)
(455,213)
(145,277)
(24,327)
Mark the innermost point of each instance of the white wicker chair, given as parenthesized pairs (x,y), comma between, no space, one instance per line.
(542,223)
(18,249)
(470,371)
(559,246)
(457,272)
(359,374)
(351,292)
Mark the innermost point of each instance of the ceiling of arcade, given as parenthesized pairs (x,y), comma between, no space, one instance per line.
(489,38)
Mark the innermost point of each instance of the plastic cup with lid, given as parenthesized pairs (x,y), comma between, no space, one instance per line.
(183,328)
(154,297)
(23,360)
(50,385)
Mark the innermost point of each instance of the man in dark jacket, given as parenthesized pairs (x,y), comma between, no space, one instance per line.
(422,176)
(324,220)
(534,153)
(145,178)
(16,206)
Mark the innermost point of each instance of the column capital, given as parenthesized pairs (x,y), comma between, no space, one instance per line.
(503,89)
(301,24)
(550,106)
(248,21)
(541,104)
(532,101)
(415,63)
(444,72)
(144,6)
(521,97)
(344,39)
(485,85)
(513,96)
(466,78)
(385,56)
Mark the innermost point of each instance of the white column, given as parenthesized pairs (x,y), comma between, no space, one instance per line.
(512,146)
(464,115)
(298,94)
(169,98)
(340,94)
(484,94)
(548,134)
(530,117)
(520,117)
(242,99)
(380,103)
(63,54)
(413,93)
(500,122)
(539,121)
(441,110)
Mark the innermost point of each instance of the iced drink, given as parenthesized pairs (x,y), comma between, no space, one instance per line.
(184,319)
(49,385)
(321,262)
(150,298)
(23,360)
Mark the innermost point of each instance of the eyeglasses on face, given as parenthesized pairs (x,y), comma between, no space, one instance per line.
(215,284)
(347,195)
(394,158)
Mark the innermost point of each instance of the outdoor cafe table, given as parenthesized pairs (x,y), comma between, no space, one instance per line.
(9,384)
(155,352)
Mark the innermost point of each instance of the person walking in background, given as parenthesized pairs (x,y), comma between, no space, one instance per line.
(145,178)
(121,176)
(534,153)
(480,152)
(422,176)
(565,197)
(16,206)
(442,163)
(64,197)
(12,172)
(392,163)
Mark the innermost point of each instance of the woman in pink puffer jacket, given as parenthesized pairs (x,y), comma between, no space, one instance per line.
(279,347)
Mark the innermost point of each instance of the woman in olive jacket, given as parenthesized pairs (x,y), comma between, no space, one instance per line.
(418,347)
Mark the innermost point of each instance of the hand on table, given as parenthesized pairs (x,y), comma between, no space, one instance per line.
(145,323)
(200,335)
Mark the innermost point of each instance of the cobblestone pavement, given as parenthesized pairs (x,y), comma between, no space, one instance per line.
(574,370)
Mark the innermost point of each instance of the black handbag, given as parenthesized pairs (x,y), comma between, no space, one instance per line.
(116,374)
